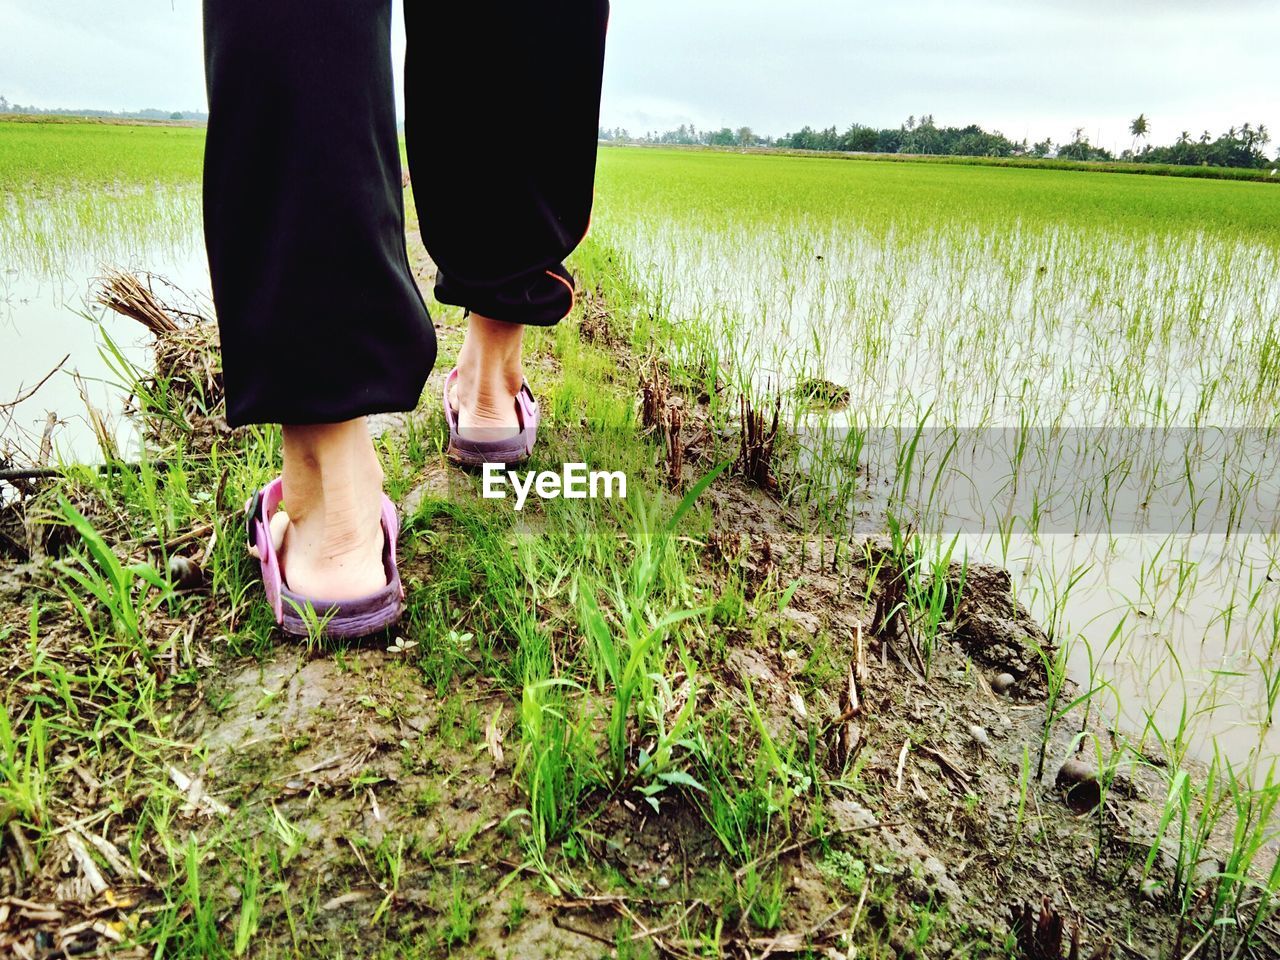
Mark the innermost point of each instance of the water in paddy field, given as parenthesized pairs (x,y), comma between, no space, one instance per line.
(1149,543)
(51,251)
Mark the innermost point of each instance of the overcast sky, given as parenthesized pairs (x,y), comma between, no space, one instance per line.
(1031,68)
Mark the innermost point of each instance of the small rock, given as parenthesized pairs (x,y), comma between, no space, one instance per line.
(185,574)
(942,883)
(849,814)
(979,734)
(803,619)
(1078,782)
(751,666)
(797,704)
(1072,772)
(1003,683)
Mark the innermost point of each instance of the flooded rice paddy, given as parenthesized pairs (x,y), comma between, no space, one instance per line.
(52,248)
(1075,378)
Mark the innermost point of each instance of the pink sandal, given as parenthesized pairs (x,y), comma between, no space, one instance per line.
(509,450)
(342,619)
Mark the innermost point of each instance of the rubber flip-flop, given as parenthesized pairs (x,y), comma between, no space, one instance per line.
(342,619)
(508,450)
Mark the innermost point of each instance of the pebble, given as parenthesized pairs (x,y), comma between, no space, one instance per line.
(1003,682)
(1079,784)
(185,574)
(848,814)
(1074,771)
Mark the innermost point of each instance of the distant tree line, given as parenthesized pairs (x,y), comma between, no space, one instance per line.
(689,136)
(1242,146)
(149,114)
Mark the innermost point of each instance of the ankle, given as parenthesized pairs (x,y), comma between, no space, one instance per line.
(330,469)
(490,359)
(486,385)
(344,524)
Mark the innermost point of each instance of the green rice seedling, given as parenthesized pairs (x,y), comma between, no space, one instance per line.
(389,859)
(1054,625)
(161,412)
(98,574)
(785,595)
(1193,820)
(737,810)
(630,652)
(291,840)
(1054,661)
(783,778)
(189,924)
(634,664)
(671,718)
(50,679)
(1253,811)
(1107,766)
(1019,820)
(23,767)
(1268,890)
(555,766)
(730,608)
(517,910)
(932,596)
(314,622)
(250,916)
(459,920)
(762,898)
(1092,679)
(921,594)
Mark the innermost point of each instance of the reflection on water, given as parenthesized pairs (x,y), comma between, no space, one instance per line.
(1182,627)
(51,249)
(982,327)
(1152,549)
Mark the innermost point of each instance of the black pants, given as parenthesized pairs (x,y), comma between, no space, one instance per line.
(304,218)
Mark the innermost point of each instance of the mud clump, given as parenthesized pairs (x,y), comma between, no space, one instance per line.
(994,629)
(818,392)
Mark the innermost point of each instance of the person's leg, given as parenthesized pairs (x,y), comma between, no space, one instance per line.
(332,486)
(516,94)
(320,319)
(489,375)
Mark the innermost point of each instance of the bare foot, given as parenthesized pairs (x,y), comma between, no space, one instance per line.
(333,494)
(489,377)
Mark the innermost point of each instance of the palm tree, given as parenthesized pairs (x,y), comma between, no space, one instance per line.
(1140,127)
